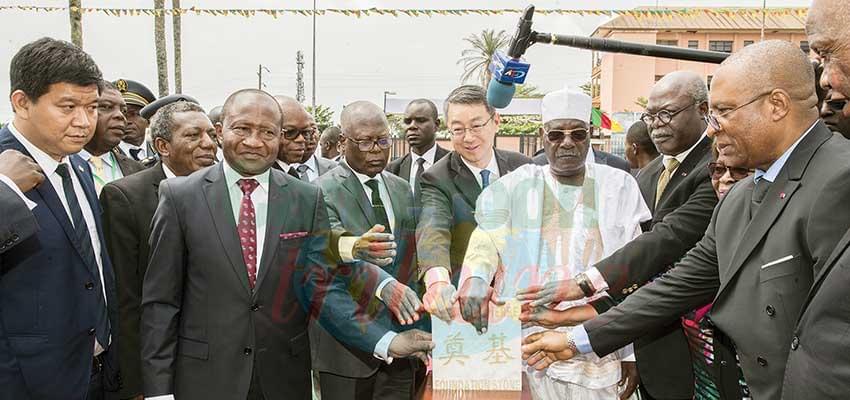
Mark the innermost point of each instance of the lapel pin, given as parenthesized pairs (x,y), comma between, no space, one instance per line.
(782,195)
(684,174)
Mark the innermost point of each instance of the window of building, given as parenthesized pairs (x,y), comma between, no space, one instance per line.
(804,45)
(720,45)
(748,42)
(693,44)
(658,77)
(665,42)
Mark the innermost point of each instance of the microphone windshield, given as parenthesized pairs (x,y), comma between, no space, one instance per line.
(499,94)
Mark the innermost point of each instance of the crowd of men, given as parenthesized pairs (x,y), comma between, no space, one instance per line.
(154,249)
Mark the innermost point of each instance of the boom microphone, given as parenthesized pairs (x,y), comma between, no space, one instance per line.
(511,70)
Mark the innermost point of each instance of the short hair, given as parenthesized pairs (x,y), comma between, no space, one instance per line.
(46,61)
(639,135)
(162,123)
(469,95)
(430,104)
(104,84)
(697,90)
(331,134)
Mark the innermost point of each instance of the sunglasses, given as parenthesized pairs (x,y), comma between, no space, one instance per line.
(717,171)
(557,136)
(292,134)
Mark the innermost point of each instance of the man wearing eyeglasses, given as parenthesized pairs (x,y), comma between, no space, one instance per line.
(298,130)
(449,191)
(768,238)
(677,188)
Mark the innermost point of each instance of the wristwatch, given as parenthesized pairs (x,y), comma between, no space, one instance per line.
(584,284)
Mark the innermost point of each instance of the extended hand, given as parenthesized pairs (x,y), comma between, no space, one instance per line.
(542,349)
(440,299)
(475,297)
(415,343)
(402,302)
(375,247)
(549,318)
(552,292)
(20,169)
(629,380)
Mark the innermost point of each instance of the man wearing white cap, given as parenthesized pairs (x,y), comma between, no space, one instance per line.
(543,223)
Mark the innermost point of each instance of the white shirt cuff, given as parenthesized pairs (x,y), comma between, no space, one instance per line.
(627,353)
(8,181)
(164,397)
(382,348)
(436,275)
(385,282)
(581,340)
(346,248)
(596,279)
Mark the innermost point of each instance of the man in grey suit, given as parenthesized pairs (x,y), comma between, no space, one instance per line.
(238,266)
(18,174)
(360,195)
(769,236)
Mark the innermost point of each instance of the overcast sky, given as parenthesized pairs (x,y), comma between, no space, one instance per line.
(357,59)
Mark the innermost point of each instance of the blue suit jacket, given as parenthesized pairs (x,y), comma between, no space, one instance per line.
(47,300)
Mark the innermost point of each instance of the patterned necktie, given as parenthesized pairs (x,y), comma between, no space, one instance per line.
(97,167)
(485,178)
(302,172)
(759,191)
(378,205)
(247,228)
(670,165)
(84,242)
(420,167)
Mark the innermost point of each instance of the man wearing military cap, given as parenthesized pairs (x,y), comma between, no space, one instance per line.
(137,96)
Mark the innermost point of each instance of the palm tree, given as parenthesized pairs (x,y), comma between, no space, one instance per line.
(159,40)
(476,60)
(527,91)
(178,54)
(74,8)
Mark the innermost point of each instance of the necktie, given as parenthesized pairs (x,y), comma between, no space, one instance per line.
(670,165)
(83,240)
(378,205)
(247,228)
(292,172)
(420,167)
(759,191)
(135,154)
(97,167)
(485,178)
(302,172)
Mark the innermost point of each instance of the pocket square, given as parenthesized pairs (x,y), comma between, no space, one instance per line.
(292,235)
(775,262)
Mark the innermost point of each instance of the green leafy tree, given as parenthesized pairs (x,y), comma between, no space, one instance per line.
(476,59)
(323,115)
(527,91)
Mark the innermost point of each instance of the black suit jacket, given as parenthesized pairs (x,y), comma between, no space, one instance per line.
(449,192)
(127,165)
(205,332)
(678,222)
(18,222)
(758,269)
(599,156)
(128,208)
(401,166)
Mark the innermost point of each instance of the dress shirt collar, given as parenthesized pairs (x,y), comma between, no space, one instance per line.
(365,178)
(311,163)
(45,161)
(283,165)
(107,157)
(683,155)
(167,171)
(231,176)
(772,172)
(493,167)
(428,156)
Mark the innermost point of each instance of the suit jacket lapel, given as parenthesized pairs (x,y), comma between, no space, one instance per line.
(466,184)
(405,167)
(275,220)
(218,201)
(651,175)
(686,167)
(353,185)
(780,193)
(401,210)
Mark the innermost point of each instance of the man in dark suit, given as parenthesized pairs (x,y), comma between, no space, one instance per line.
(677,188)
(101,152)
(640,149)
(768,238)
(135,143)
(316,166)
(421,124)
(358,196)
(18,174)
(599,157)
(57,290)
(227,298)
(183,136)
(298,130)
(450,189)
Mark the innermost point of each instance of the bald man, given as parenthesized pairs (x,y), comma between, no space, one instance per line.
(298,129)
(768,238)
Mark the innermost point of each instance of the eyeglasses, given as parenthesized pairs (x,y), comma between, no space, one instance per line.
(367,145)
(292,134)
(717,170)
(711,117)
(475,130)
(577,135)
(663,116)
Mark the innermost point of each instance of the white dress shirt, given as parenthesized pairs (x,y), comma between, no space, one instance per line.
(312,168)
(143,149)
(429,157)
(49,166)
(111,169)
(260,198)
(167,171)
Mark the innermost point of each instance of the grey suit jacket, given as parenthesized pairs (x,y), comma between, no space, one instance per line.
(741,264)
(18,222)
(205,332)
(349,209)
(325,166)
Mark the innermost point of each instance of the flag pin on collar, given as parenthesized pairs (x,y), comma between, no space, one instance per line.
(781,195)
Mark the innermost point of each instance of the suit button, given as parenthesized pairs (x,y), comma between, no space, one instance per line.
(255,307)
(770,310)
(795,343)
(91,331)
(761,361)
(723,363)
(15,237)
(89,285)
(247,351)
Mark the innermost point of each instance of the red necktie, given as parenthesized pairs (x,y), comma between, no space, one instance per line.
(247,228)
